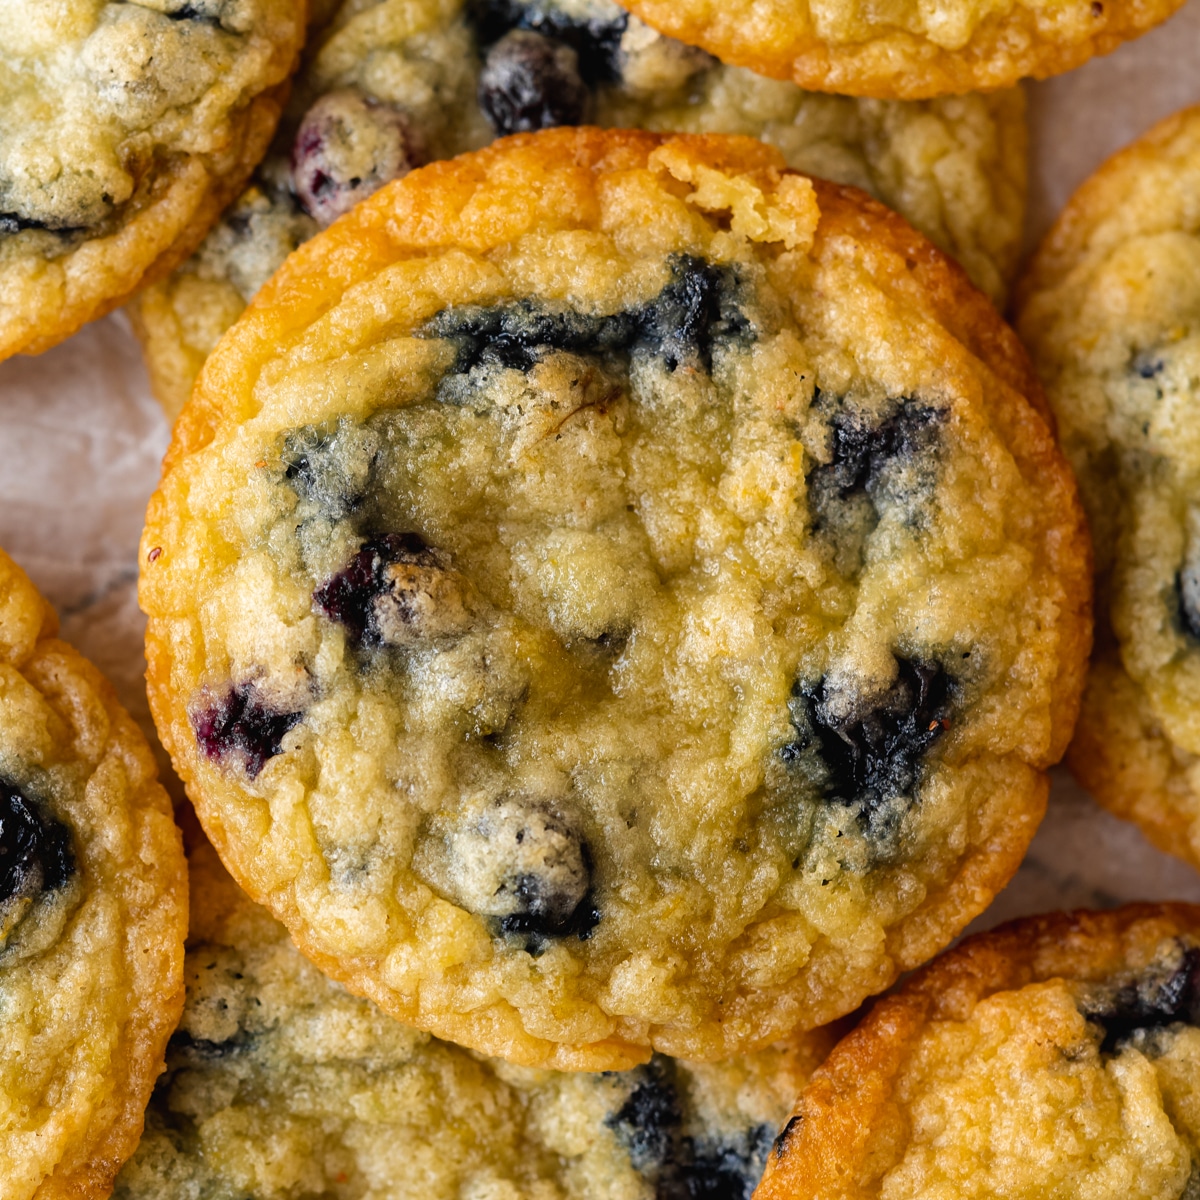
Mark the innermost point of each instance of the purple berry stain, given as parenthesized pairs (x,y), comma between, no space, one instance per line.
(242,724)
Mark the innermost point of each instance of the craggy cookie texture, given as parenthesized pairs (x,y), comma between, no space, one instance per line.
(279,1084)
(390,85)
(125,129)
(93,911)
(1111,312)
(611,592)
(1055,1057)
(906,49)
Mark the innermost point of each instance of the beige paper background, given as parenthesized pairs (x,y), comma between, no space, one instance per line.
(81,439)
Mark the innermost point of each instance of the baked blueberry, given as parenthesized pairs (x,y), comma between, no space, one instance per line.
(348,145)
(530,81)
(242,726)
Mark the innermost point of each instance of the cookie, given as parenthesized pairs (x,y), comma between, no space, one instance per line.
(125,129)
(610,592)
(93,911)
(389,86)
(280,1083)
(906,51)
(1054,1056)
(1110,309)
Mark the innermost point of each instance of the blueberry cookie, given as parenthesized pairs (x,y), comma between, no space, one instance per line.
(1111,312)
(610,592)
(1057,1056)
(280,1084)
(906,50)
(125,129)
(93,911)
(388,86)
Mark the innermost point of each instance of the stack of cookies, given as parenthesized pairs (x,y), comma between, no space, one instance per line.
(614,597)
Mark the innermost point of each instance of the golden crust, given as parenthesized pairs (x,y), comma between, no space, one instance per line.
(473,202)
(108,1030)
(43,300)
(845,1122)
(903,58)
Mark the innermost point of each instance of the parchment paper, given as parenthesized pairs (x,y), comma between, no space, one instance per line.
(81,439)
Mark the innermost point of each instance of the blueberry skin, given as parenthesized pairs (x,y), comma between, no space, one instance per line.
(698,309)
(862,451)
(531,82)
(1152,1001)
(241,724)
(35,851)
(649,1125)
(872,755)
(348,146)
(595,40)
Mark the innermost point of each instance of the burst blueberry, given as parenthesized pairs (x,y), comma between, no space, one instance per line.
(242,725)
(35,851)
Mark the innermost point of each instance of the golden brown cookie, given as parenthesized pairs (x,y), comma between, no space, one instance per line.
(280,1083)
(611,592)
(387,87)
(1110,309)
(1054,1056)
(908,51)
(93,911)
(125,129)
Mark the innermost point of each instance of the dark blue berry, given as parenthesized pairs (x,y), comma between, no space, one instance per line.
(347,146)
(694,311)
(531,82)
(650,1127)
(872,754)
(242,725)
(863,451)
(648,1123)
(596,40)
(697,309)
(382,603)
(711,1171)
(1158,997)
(35,850)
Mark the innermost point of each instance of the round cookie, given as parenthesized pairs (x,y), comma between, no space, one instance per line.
(1057,1056)
(389,85)
(1110,310)
(93,912)
(125,129)
(280,1083)
(610,592)
(906,51)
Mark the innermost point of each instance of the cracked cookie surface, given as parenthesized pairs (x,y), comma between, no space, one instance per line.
(280,1083)
(905,50)
(1110,310)
(610,592)
(388,86)
(1057,1056)
(93,911)
(125,129)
